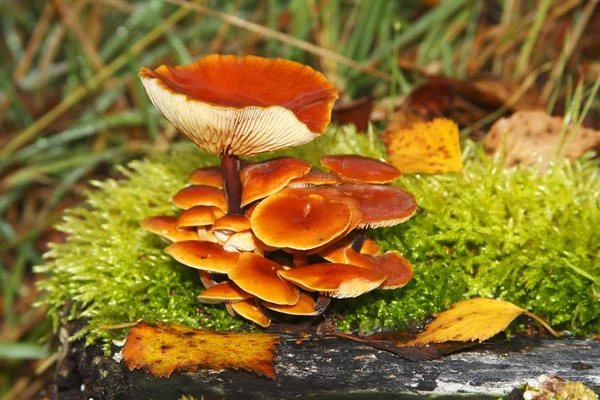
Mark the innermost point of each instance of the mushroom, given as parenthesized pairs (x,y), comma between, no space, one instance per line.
(226,226)
(200,195)
(397,268)
(258,276)
(199,216)
(305,306)
(221,292)
(263,179)
(166,228)
(335,252)
(299,222)
(209,176)
(355,168)
(315,177)
(219,103)
(242,242)
(205,256)
(249,310)
(334,280)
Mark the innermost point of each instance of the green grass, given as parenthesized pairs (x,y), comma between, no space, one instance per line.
(495,232)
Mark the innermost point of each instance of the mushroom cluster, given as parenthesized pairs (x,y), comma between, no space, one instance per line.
(279,236)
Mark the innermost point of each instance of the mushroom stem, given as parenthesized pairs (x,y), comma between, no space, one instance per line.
(359,239)
(230,163)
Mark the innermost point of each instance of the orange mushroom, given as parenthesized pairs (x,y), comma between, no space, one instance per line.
(334,280)
(299,222)
(221,292)
(166,228)
(205,256)
(199,216)
(200,195)
(335,252)
(238,106)
(263,179)
(355,168)
(305,306)
(226,226)
(249,310)
(315,177)
(397,268)
(258,276)
(209,176)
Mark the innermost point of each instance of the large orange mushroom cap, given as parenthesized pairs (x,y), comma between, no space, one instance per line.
(242,105)
(299,222)
(200,195)
(206,256)
(355,168)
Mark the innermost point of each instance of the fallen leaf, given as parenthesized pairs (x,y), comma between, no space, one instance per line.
(161,348)
(473,319)
(431,147)
(529,137)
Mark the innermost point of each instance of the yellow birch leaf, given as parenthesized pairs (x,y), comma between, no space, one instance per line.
(431,147)
(473,319)
(162,348)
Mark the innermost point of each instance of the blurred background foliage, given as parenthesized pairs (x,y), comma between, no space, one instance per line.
(72,107)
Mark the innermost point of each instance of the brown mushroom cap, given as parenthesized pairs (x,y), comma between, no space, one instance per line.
(258,276)
(209,176)
(199,216)
(227,225)
(305,306)
(166,228)
(301,223)
(335,280)
(315,177)
(354,168)
(265,178)
(249,310)
(224,291)
(206,256)
(200,195)
(335,252)
(242,105)
(397,268)
(382,205)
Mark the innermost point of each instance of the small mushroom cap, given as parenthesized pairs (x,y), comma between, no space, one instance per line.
(315,177)
(206,256)
(397,268)
(227,225)
(166,228)
(305,306)
(224,291)
(209,176)
(241,242)
(301,223)
(200,195)
(265,178)
(335,252)
(199,216)
(354,168)
(258,276)
(336,280)
(242,105)
(382,205)
(206,235)
(249,310)
(207,279)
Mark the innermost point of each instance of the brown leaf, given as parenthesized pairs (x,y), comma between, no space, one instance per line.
(162,348)
(473,319)
(529,137)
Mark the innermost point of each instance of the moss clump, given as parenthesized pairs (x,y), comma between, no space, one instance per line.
(506,233)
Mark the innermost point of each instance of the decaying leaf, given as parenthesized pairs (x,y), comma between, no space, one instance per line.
(473,319)
(529,137)
(162,348)
(431,147)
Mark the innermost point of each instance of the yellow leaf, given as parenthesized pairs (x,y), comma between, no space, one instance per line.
(431,147)
(162,348)
(473,319)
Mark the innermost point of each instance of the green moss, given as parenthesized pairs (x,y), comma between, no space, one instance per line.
(506,233)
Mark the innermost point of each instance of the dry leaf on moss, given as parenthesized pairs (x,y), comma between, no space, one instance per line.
(528,137)
(162,348)
(473,319)
(431,147)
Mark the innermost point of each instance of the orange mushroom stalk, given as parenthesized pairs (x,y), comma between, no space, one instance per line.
(219,103)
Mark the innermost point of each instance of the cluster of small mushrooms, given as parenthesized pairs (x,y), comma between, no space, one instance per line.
(280,236)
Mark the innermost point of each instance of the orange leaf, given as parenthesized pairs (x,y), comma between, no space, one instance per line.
(473,319)
(162,348)
(431,147)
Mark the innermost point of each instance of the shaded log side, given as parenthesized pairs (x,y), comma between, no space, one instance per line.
(340,369)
